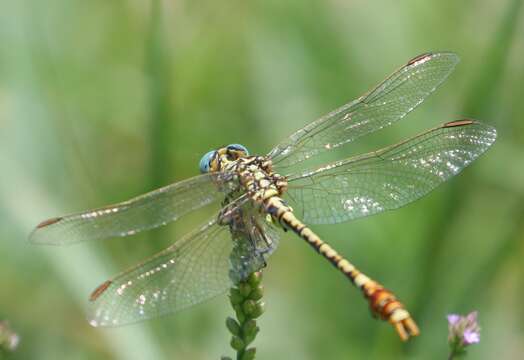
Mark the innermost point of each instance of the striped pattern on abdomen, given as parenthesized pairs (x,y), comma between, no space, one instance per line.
(382,302)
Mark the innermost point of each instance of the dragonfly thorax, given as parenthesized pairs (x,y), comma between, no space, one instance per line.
(256,176)
(255,179)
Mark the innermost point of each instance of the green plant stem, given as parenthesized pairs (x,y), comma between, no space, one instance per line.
(246,299)
(457,350)
(453,355)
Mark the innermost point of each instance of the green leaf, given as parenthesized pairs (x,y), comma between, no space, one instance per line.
(249,307)
(233,326)
(257,311)
(257,293)
(249,327)
(235,297)
(254,279)
(237,343)
(248,339)
(245,289)
(249,354)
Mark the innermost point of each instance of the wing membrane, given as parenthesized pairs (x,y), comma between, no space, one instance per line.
(191,271)
(388,178)
(262,240)
(390,101)
(144,212)
(194,269)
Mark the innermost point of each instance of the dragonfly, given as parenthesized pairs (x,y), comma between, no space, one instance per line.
(259,196)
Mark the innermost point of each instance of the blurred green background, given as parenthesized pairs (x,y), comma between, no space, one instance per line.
(101,101)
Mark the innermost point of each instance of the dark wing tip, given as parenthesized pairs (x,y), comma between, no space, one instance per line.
(456,123)
(490,131)
(421,57)
(48,222)
(99,290)
(427,56)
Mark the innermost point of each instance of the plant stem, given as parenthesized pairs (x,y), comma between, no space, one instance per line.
(246,299)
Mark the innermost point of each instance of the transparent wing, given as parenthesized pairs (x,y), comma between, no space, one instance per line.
(144,212)
(251,255)
(388,178)
(194,269)
(189,272)
(390,101)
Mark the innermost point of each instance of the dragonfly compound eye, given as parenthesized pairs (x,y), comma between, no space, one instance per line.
(205,161)
(238,150)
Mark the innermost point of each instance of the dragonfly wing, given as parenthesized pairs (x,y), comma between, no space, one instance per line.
(196,268)
(191,271)
(144,212)
(390,101)
(251,252)
(388,178)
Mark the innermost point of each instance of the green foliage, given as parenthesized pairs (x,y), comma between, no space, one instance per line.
(101,101)
(245,300)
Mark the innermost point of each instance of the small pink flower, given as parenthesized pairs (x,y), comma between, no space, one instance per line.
(453,319)
(8,338)
(463,331)
(471,337)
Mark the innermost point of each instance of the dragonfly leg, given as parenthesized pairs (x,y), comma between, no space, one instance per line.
(383,303)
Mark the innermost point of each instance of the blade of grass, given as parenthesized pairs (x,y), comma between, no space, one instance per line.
(477,102)
(160,126)
(133,342)
(484,89)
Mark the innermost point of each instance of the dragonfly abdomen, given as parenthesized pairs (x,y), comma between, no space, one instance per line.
(382,302)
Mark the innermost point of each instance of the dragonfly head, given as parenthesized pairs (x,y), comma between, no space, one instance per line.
(214,160)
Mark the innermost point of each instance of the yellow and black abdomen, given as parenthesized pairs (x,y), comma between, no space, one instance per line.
(383,302)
